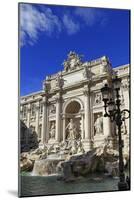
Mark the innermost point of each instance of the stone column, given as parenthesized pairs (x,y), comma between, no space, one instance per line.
(82,126)
(28,115)
(126,136)
(87,115)
(58,117)
(44,120)
(125,87)
(64,127)
(37,118)
(87,135)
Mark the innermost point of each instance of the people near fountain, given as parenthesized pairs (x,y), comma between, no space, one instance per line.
(52,130)
(98,125)
(72,129)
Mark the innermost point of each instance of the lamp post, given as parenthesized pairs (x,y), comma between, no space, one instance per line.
(113,111)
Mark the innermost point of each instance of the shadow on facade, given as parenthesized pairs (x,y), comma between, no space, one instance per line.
(28,138)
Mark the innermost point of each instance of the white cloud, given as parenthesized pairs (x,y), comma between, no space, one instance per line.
(36,20)
(71,26)
(88,15)
(32,22)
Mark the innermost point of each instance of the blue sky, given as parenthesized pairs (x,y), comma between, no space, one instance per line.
(48,33)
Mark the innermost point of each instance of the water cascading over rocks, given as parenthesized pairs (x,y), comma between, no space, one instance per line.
(68,161)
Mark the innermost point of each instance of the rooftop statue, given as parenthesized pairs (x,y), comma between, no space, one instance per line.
(73,61)
(59,80)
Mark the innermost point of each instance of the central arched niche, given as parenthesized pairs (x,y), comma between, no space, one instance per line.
(73,107)
(72,111)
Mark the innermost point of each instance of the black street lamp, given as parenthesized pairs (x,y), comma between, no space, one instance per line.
(113,111)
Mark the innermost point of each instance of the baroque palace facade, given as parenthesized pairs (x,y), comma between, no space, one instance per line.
(71,100)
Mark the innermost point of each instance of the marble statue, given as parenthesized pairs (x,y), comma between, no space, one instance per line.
(87,71)
(46,85)
(52,130)
(72,130)
(80,148)
(72,61)
(59,80)
(98,125)
(73,149)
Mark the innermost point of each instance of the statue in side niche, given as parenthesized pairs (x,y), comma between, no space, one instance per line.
(52,130)
(98,125)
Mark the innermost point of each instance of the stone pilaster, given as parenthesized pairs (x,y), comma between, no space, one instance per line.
(125,88)
(44,121)
(28,115)
(87,115)
(58,117)
(87,136)
(37,118)
(21,112)
(64,128)
(82,126)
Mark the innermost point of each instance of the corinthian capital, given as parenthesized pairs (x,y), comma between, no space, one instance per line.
(44,101)
(58,97)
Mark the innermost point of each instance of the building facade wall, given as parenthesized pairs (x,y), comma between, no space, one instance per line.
(75,93)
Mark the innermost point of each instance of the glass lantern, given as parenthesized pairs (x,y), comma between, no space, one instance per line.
(111,105)
(116,83)
(105,92)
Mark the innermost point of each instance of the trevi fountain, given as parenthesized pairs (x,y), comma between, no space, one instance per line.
(77,148)
(67,162)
